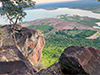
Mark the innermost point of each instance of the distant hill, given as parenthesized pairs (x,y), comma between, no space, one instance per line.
(83,4)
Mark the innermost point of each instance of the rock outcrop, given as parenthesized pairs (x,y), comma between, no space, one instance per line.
(18,60)
(76,60)
(80,60)
(15,68)
(28,51)
(29,41)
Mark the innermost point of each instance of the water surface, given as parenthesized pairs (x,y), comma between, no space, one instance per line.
(43,13)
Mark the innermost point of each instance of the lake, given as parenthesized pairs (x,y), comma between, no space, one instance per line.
(43,13)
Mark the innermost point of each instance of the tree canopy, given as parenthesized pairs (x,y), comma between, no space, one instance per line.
(14,9)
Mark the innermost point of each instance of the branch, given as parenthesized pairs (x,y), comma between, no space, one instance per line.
(17,18)
(6,12)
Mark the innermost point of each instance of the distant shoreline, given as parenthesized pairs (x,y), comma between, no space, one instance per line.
(42,13)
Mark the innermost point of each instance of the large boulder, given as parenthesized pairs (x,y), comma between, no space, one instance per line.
(75,60)
(19,56)
(80,60)
(29,41)
(15,68)
(13,62)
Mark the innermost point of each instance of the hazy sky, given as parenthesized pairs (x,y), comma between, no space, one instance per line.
(44,1)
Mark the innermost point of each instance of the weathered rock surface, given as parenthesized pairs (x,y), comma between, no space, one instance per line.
(28,51)
(76,60)
(80,60)
(29,41)
(57,69)
(14,68)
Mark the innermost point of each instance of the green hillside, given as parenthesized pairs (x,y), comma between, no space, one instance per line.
(0,25)
(57,41)
(45,28)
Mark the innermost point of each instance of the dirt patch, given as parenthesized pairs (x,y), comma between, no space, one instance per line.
(59,24)
(94,36)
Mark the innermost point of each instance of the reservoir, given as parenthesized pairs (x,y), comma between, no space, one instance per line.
(43,13)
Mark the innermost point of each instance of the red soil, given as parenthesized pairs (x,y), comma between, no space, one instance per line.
(93,36)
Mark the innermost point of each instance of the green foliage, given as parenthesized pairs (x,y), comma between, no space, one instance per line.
(32,26)
(43,27)
(63,33)
(69,32)
(74,32)
(55,44)
(0,25)
(51,54)
(89,22)
(86,33)
(13,9)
